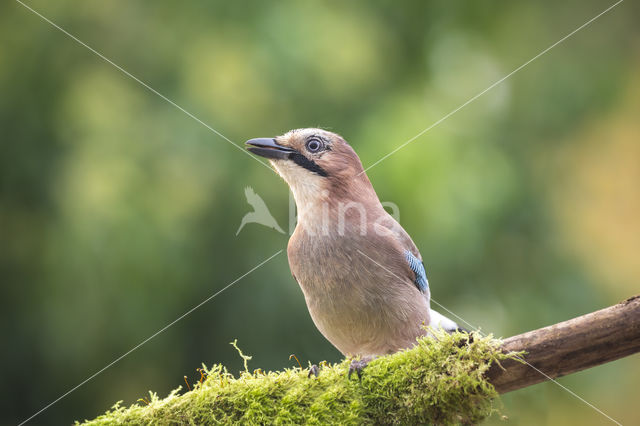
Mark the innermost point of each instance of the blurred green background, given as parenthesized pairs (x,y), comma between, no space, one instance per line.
(118,212)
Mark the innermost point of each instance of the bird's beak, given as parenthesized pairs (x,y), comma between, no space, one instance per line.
(267,147)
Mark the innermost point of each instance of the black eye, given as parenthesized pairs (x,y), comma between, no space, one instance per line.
(314,145)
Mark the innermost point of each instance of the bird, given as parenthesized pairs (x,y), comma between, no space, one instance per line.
(362,276)
(260,213)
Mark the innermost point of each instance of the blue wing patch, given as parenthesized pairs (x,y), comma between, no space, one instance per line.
(418,268)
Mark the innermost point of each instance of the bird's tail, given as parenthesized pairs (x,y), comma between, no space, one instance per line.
(440,321)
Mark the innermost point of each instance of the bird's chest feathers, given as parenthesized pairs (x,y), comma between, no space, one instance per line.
(324,250)
(333,277)
(318,261)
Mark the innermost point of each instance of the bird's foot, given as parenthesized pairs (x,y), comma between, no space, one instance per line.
(358,365)
(313,370)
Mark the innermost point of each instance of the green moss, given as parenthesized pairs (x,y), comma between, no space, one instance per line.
(438,381)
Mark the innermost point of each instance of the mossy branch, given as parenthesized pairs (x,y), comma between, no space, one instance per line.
(442,380)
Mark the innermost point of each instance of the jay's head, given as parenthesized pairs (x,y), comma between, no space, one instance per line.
(314,162)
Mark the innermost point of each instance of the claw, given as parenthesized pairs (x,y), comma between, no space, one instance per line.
(357,365)
(313,370)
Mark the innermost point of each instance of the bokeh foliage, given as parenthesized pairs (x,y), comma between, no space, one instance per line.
(118,212)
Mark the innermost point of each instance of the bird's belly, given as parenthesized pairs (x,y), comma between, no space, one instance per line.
(362,319)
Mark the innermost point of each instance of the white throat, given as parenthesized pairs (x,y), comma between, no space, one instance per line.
(308,192)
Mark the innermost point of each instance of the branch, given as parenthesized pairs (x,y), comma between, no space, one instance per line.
(570,346)
(442,380)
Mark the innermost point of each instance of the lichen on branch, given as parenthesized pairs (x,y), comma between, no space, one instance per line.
(441,380)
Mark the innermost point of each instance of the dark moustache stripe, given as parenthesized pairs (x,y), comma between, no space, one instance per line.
(310,165)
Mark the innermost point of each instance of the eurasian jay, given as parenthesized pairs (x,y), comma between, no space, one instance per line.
(361,274)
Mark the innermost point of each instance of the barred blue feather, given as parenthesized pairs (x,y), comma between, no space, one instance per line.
(418,268)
